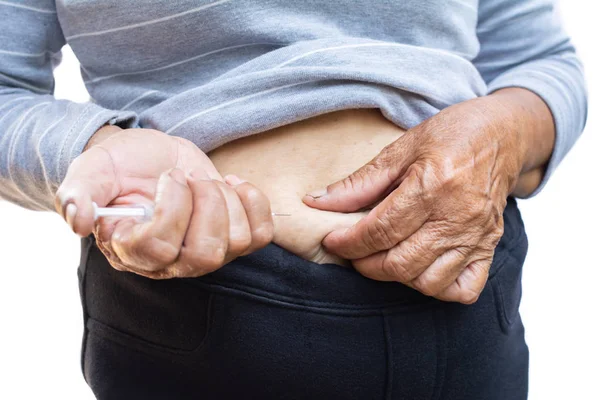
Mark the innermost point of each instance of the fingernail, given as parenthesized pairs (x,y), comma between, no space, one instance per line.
(233,180)
(315,194)
(70,213)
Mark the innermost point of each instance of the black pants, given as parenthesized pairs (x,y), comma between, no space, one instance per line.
(274,326)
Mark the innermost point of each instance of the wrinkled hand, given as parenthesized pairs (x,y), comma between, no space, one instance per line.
(200,221)
(440,191)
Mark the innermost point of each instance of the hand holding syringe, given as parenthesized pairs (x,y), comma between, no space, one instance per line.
(197,222)
(144,212)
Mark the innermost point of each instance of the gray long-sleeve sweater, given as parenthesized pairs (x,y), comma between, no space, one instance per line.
(213,71)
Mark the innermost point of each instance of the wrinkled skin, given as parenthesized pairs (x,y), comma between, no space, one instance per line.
(200,221)
(439,193)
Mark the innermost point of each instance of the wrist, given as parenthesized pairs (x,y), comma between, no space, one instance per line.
(511,135)
(529,120)
(497,137)
(101,135)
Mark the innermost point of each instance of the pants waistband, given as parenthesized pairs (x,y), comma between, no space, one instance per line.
(277,274)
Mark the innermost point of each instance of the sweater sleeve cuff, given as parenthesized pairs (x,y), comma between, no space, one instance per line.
(86,124)
(562,103)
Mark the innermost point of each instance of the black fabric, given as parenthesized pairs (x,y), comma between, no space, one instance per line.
(274,326)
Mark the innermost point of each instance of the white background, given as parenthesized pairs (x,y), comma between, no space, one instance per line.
(41,322)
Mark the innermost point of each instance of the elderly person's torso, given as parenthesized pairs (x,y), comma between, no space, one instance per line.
(240,63)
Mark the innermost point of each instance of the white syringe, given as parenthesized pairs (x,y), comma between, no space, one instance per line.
(137,211)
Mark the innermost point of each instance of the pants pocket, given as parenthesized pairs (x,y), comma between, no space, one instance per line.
(167,315)
(506,285)
(506,281)
(507,267)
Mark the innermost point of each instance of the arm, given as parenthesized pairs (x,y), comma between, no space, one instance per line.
(523,45)
(440,190)
(39,135)
(42,143)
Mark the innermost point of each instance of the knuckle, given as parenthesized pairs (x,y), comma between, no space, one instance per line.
(380,234)
(395,265)
(207,258)
(263,235)
(463,250)
(422,250)
(121,242)
(251,193)
(427,246)
(149,253)
(471,291)
(446,177)
(427,285)
(363,178)
(428,181)
(468,296)
(351,182)
(136,248)
(160,253)
(481,267)
(239,244)
(427,290)
(387,156)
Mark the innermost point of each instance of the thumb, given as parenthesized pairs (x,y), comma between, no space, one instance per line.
(368,184)
(90,178)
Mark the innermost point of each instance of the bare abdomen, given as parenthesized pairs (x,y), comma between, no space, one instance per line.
(287,162)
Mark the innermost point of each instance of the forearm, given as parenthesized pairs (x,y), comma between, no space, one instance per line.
(529,117)
(39,138)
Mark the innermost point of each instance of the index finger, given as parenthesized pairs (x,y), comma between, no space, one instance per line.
(397,217)
(155,244)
